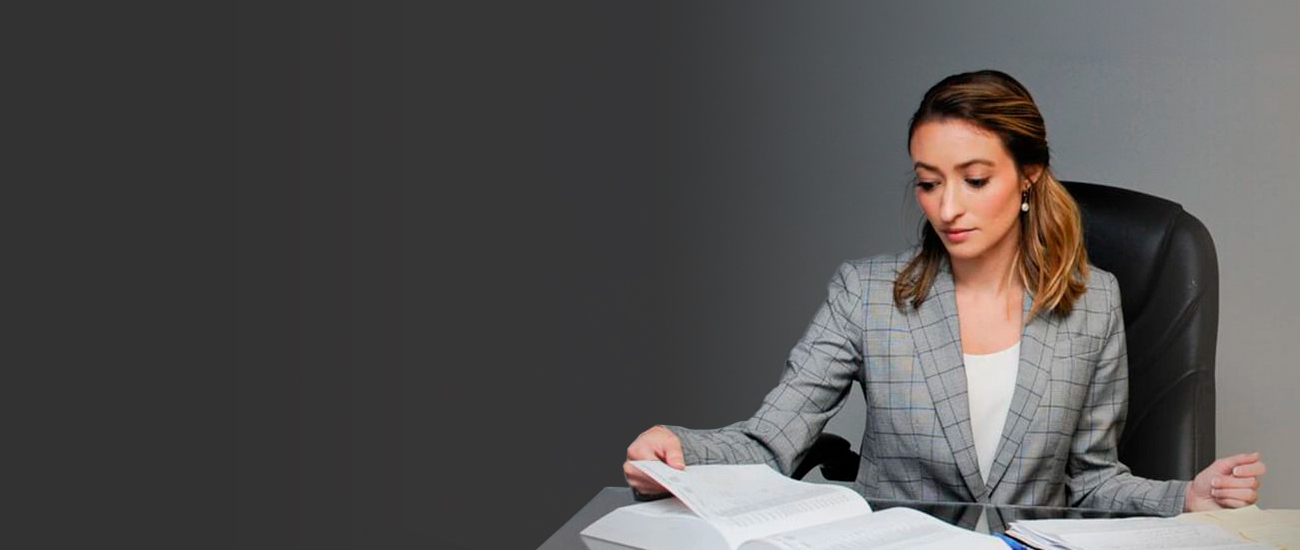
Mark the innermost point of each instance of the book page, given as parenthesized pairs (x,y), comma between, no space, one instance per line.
(663,523)
(891,529)
(753,500)
(1129,534)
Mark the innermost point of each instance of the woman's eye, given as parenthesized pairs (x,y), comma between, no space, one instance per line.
(926,185)
(974,182)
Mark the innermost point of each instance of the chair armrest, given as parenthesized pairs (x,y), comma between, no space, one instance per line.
(836,457)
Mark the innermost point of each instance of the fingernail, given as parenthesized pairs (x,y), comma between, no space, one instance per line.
(1234,470)
(1215,482)
(1214,492)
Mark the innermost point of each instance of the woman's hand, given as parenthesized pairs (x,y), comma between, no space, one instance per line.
(656,443)
(1230,482)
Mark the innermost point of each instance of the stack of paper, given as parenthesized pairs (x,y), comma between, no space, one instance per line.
(1128,534)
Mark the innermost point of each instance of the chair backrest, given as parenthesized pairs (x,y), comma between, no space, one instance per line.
(1168,276)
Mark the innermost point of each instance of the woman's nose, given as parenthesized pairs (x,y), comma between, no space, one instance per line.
(950,204)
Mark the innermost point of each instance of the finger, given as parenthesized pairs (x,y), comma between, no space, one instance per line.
(633,473)
(673,457)
(639,450)
(630,472)
(643,483)
(1243,458)
(1244,495)
(1232,482)
(1226,464)
(1233,503)
(1252,469)
(670,448)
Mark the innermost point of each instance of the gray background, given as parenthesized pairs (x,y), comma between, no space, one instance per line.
(515,238)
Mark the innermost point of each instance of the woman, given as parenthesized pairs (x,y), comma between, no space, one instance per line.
(992,357)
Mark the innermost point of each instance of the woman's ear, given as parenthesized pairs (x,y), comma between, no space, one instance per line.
(1031,173)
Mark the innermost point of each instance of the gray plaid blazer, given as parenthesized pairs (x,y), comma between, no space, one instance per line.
(1058,445)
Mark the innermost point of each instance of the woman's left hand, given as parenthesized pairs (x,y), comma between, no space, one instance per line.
(1230,482)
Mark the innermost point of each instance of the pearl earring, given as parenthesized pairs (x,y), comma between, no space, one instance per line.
(1024,201)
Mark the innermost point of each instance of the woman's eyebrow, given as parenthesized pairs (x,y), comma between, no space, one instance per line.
(961,166)
(973,162)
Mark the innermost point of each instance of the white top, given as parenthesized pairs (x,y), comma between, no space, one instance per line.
(990,381)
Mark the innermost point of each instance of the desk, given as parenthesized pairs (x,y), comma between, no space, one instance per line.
(963,514)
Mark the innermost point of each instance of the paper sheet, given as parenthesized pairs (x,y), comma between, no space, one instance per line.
(752,501)
(1277,528)
(1130,534)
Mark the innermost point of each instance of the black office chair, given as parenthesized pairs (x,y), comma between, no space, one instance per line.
(1168,276)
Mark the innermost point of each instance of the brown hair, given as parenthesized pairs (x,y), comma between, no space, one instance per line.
(1053,263)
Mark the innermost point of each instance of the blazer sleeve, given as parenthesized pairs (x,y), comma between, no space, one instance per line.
(1096,478)
(817,377)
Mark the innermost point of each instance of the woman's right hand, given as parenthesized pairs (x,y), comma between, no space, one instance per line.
(656,443)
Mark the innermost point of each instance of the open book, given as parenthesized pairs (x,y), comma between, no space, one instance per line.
(753,507)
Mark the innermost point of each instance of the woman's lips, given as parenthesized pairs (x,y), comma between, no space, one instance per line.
(958,235)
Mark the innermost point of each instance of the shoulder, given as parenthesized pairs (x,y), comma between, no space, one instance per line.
(1097,312)
(1102,294)
(878,269)
(872,279)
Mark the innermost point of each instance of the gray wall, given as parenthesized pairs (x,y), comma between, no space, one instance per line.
(587,219)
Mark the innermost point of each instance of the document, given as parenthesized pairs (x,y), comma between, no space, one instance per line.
(1279,528)
(1128,534)
(753,507)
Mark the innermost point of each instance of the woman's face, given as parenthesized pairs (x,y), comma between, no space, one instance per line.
(969,188)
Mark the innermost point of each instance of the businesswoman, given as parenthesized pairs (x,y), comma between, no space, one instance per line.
(992,356)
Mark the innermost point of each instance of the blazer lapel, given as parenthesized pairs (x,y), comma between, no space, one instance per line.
(937,338)
(1037,346)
